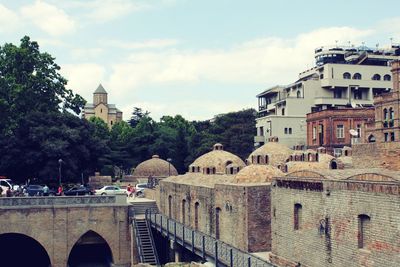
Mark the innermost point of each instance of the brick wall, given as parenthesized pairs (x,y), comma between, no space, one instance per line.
(329,225)
(377,155)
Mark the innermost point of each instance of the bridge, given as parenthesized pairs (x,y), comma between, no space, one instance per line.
(60,231)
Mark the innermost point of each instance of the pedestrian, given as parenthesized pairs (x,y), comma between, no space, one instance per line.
(129,190)
(60,190)
(45,190)
(8,192)
(1,191)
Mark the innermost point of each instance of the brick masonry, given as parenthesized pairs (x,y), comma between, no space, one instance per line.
(329,224)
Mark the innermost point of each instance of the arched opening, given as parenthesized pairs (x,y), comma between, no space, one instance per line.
(376,77)
(170,206)
(357,76)
(363,230)
(266,159)
(371,139)
(346,75)
(309,157)
(283,112)
(217,213)
(214,170)
(297,216)
(183,211)
(258,159)
(22,250)
(196,215)
(317,157)
(333,165)
(90,250)
(298,94)
(387,77)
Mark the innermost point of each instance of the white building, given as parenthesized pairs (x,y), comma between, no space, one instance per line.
(342,77)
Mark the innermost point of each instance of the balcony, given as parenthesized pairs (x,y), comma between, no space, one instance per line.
(331,101)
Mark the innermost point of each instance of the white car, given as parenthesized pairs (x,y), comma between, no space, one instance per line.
(110,190)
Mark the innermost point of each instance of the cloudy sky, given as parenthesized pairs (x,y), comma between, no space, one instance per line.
(197,58)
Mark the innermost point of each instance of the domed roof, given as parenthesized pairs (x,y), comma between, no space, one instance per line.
(155,167)
(277,153)
(218,159)
(322,164)
(257,174)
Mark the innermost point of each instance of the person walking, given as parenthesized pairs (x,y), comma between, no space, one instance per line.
(60,190)
(45,190)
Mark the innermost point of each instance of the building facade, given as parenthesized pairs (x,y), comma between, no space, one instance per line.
(100,108)
(330,128)
(343,77)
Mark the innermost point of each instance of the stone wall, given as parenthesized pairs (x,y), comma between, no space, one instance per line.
(377,155)
(58,228)
(329,224)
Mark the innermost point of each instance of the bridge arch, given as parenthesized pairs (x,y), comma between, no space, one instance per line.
(92,248)
(13,244)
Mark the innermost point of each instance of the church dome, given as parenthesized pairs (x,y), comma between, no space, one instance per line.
(154,167)
(216,161)
(272,153)
(257,174)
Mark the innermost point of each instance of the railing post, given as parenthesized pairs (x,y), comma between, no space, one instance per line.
(192,241)
(248,262)
(203,247)
(216,254)
(231,258)
(175,231)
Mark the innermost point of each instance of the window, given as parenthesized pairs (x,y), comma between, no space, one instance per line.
(363,230)
(346,75)
(321,76)
(261,131)
(340,131)
(258,159)
(357,94)
(298,94)
(283,112)
(170,206)
(357,76)
(183,210)
(196,215)
(266,159)
(290,130)
(387,77)
(297,216)
(386,137)
(392,136)
(286,130)
(391,117)
(217,211)
(314,133)
(358,129)
(111,122)
(376,77)
(101,110)
(337,93)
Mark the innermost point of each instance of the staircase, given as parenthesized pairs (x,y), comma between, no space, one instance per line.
(144,238)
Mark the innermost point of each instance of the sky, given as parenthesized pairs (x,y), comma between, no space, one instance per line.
(196,58)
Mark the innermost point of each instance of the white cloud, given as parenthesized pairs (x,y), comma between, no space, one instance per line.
(84,78)
(9,18)
(86,53)
(154,43)
(49,18)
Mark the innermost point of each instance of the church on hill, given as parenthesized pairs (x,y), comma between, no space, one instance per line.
(101,109)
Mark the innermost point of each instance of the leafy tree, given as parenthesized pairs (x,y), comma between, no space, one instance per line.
(137,115)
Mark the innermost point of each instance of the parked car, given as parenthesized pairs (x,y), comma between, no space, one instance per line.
(37,190)
(78,191)
(139,189)
(6,184)
(110,190)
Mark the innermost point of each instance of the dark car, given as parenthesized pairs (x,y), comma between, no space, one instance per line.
(37,190)
(78,191)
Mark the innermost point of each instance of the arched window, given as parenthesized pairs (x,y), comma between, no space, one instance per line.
(376,77)
(217,214)
(391,113)
(183,211)
(193,169)
(346,75)
(371,139)
(283,112)
(266,159)
(309,157)
(213,170)
(285,169)
(333,165)
(357,76)
(363,230)
(317,157)
(170,206)
(258,159)
(298,94)
(297,216)
(196,215)
(387,77)
(385,114)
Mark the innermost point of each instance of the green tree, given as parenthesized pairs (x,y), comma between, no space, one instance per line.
(137,115)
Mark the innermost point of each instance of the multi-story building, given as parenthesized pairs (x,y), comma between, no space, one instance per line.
(100,108)
(342,77)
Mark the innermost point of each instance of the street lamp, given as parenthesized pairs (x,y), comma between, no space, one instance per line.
(169,166)
(60,161)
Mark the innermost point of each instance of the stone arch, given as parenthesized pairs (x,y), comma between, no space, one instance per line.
(371,138)
(30,248)
(333,165)
(376,177)
(91,246)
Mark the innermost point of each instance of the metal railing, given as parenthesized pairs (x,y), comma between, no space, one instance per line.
(56,201)
(205,246)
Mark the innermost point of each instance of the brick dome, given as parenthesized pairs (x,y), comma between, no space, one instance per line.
(216,161)
(154,167)
(257,174)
